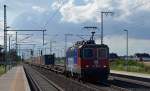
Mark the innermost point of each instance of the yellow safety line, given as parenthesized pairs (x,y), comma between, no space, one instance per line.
(18,82)
(13,84)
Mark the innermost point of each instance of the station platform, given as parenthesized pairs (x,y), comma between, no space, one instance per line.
(14,80)
(142,75)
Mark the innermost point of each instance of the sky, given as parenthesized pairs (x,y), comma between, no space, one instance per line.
(61,17)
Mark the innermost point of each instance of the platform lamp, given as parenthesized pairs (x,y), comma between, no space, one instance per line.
(126,48)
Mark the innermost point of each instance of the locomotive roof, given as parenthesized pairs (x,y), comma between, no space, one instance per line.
(89,43)
(95,45)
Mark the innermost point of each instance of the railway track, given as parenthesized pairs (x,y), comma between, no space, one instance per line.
(130,82)
(38,82)
(65,83)
(115,81)
(68,84)
(140,80)
(125,82)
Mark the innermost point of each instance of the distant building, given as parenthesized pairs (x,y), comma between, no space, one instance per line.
(125,57)
(142,57)
(113,56)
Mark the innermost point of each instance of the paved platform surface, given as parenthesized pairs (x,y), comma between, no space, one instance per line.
(14,80)
(131,73)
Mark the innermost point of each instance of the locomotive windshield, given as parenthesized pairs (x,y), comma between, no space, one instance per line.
(102,53)
(87,53)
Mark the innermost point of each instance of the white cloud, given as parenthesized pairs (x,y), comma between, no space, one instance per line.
(81,13)
(39,9)
(57,4)
(1,25)
(118,44)
(143,4)
(129,7)
(1,38)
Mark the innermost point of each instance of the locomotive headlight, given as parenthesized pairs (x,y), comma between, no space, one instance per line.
(96,62)
(93,65)
(87,66)
(104,66)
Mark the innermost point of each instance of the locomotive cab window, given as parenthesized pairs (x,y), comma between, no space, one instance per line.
(88,53)
(102,53)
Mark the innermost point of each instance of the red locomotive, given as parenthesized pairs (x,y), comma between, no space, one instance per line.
(88,61)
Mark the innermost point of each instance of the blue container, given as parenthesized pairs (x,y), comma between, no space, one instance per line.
(49,59)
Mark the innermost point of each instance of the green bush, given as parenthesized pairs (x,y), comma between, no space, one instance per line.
(2,71)
(131,66)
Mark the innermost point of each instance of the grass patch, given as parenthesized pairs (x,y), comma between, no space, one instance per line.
(61,61)
(131,66)
(2,70)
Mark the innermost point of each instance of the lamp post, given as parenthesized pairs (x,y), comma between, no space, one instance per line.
(5,38)
(16,46)
(9,58)
(10,42)
(126,47)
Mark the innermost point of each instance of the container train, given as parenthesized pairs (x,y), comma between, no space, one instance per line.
(44,60)
(85,60)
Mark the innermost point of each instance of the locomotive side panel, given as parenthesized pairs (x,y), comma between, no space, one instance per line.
(72,61)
